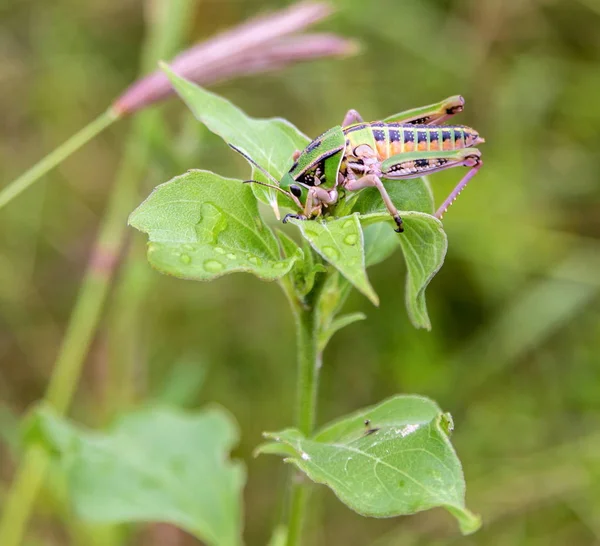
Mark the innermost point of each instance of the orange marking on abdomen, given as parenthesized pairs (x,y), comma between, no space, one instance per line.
(396,147)
(382,149)
(434,146)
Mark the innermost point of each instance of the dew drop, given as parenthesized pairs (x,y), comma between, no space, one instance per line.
(185,259)
(213,266)
(331,252)
(279,265)
(351,239)
(310,232)
(231,256)
(219,250)
(348,224)
(189,248)
(254,260)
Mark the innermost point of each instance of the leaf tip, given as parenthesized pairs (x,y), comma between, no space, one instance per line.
(371,294)
(468,522)
(275,206)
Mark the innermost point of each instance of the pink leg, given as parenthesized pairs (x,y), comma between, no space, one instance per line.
(456,191)
(373,181)
(352,117)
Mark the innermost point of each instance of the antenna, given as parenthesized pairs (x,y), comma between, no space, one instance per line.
(261,169)
(286,193)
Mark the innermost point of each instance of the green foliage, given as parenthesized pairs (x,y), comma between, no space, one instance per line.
(516,334)
(152,465)
(387,460)
(424,244)
(196,216)
(270,142)
(406,464)
(340,242)
(202,226)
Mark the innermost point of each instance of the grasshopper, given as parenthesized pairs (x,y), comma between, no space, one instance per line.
(358,154)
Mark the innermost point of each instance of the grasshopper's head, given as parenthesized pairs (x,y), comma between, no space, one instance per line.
(294,188)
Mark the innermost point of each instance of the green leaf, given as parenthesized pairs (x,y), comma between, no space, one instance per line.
(380,243)
(202,226)
(336,325)
(399,463)
(340,242)
(413,195)
(424,244)
(305,269)
(270,142)
(153,465)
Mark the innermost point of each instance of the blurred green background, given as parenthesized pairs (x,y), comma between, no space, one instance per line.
(514,351)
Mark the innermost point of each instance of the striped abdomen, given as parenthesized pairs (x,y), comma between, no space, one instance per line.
(396,138)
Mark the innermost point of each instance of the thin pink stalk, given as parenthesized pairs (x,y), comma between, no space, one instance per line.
(230,47)
(278,55)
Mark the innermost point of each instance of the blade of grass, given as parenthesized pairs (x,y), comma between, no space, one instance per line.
(165,30)
(57,156)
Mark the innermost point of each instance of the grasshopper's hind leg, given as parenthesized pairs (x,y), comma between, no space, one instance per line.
(373,181)
(476,164)
(416,164)
(351,117)
(432,114)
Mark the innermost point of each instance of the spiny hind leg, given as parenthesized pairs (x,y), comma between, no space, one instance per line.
(413,165)
(432,114)
(351,117)
(476,164)
(373,181)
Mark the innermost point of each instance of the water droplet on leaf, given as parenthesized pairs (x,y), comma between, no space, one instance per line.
(351,239)
(331,252)
(231,256)
(213,266)
(348,224)
(254,260)
(219,250)
(185,259)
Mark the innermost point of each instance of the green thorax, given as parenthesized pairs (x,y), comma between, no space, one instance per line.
(319,163)
(359,133)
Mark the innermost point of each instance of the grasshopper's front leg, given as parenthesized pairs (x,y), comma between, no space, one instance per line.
(416,164)
(432,114)
(316,199)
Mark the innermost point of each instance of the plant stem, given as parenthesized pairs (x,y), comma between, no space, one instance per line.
(309,363)
(20,184)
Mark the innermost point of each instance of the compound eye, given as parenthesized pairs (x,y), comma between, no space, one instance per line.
(296,190)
